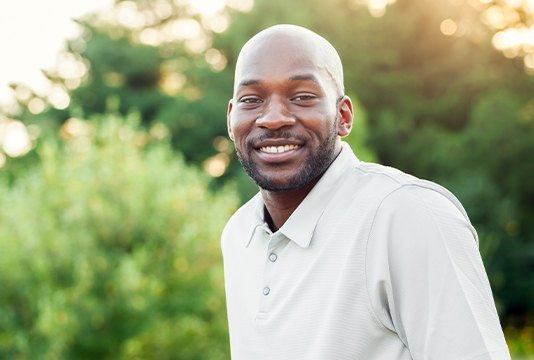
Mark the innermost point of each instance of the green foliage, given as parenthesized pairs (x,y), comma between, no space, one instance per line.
(112,247)
(360,133)
(122,70)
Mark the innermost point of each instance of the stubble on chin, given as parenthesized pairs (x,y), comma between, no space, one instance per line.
(314,166)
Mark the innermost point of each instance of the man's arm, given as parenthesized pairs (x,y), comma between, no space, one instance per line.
(426,279)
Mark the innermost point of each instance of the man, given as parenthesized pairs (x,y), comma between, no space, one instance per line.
(336,258)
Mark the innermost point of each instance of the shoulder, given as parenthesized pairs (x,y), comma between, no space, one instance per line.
(398,191)
(417,215)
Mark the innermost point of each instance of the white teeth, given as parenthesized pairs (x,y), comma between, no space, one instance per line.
(278,149)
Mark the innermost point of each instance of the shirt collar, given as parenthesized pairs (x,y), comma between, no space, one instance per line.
(301,224)
(259,221)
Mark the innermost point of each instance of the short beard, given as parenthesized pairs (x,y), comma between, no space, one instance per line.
(315,165)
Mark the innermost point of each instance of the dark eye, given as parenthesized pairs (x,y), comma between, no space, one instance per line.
(303,97)
(250,100)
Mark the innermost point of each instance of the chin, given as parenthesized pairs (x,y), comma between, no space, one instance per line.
(279,182)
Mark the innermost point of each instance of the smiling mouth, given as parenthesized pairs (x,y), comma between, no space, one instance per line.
(278,149)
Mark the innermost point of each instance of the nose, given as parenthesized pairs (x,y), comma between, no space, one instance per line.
(275,116)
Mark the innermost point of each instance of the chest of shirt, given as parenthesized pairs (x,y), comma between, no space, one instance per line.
(307,300)
(275,278)
(277,290)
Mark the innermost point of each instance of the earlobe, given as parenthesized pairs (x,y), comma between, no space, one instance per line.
(345,130)
(345,117)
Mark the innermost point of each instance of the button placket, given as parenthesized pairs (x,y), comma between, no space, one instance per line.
(268,287)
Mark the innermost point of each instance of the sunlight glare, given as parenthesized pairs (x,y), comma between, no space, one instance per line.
(15,139)
(69,67)
(529,61)
(72,84)
(494,17)
(207,7)
(216,59)
(198,45)
(23,93)
(241,5)
(514,3)
(217,23)
(448,27)
(163,9)
(377,8)
(32,33)
(517,38)
(150,36)
(182,29)
(36,106)
(216,165)
(74,128)
(172,83)
(129,16)
(59,98)
(222,144)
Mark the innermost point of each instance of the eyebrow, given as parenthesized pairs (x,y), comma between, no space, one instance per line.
(301,77)
(305,77)
(249,82)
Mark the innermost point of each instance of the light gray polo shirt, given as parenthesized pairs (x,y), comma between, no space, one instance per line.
(373,264)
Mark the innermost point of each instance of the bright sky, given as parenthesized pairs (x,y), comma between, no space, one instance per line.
(32,32)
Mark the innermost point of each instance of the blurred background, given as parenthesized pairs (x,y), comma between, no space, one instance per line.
(117,176)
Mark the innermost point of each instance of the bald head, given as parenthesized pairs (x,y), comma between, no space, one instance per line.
(289,45)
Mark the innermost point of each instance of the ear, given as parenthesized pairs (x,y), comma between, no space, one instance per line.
(228,116)
(344,109)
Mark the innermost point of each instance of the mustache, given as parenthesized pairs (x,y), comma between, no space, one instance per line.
(274,134)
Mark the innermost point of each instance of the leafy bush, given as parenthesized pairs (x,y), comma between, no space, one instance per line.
(110,249)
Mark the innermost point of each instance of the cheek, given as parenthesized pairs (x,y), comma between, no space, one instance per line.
(318,122)
(241,126)
(321,112)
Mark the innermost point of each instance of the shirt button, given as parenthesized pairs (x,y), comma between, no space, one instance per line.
(266,291)
(272,257)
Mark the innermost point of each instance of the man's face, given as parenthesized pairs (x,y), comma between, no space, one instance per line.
(284,118)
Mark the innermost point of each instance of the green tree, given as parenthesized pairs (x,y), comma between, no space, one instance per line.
(111,250)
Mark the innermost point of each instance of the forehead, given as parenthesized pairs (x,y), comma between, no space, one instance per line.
(280,61)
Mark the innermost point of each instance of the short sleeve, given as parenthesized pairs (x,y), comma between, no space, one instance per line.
(426,280)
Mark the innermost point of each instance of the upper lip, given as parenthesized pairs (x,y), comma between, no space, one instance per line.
(277,142)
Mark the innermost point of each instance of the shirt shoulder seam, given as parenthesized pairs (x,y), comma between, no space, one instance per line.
(394,179)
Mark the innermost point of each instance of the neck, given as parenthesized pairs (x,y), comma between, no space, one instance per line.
(281,204)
